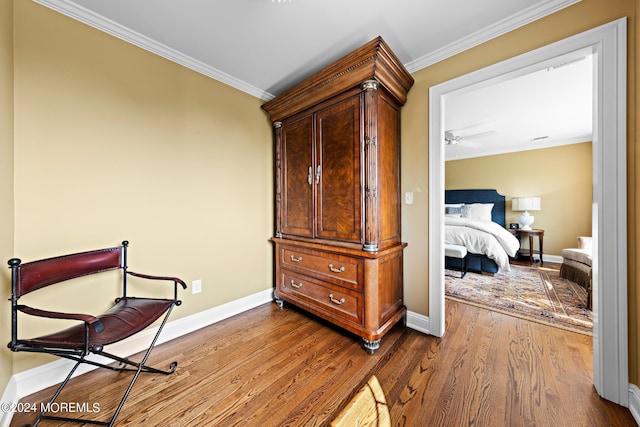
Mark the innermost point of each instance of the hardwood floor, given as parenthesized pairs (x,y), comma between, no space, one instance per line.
(272,367)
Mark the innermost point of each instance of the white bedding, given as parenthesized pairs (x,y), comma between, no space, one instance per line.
(482,237)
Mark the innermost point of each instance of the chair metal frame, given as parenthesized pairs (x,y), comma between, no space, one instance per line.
(28,277)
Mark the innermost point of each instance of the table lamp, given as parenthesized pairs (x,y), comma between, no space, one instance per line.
(526,204)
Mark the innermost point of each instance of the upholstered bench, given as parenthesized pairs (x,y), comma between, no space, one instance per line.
(460,252)
(576,265)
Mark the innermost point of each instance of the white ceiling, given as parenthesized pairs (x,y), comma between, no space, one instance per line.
(545,108)
(263,47)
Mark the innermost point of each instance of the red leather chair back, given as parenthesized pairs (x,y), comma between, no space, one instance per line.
(38,274)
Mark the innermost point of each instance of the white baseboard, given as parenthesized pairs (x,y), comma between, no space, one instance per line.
(43,376)
(634,402)
(552,258)
(418,322)
(10,397)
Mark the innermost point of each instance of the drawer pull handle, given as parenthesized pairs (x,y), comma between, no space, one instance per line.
(336,270)
(335,301)
(296,259)
(293,285)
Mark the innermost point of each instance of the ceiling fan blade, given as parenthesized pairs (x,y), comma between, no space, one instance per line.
(479,135)
(469,144)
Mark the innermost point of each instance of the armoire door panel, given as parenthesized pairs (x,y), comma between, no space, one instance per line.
(339,202)
(297,154)
(389,171)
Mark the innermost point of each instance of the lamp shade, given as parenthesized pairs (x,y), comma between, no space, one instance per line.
(526,204)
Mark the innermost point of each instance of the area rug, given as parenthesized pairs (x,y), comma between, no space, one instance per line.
(534,293)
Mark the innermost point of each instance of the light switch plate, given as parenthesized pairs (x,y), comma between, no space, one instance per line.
(408,198)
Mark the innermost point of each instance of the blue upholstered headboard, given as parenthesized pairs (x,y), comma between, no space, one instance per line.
(480,196)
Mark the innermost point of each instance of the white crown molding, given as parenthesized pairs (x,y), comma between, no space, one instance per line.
(539,10)
(449,156)
(84,15)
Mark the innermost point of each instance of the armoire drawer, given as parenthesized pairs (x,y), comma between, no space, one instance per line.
(345,303)
(339,269)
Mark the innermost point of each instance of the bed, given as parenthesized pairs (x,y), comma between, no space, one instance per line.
(476,220)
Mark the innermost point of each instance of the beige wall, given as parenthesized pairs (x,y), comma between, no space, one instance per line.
(6,178)
(561,176)
(114,143)
(580,17)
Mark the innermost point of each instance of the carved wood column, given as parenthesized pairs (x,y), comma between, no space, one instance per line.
(278,177)
(371,237)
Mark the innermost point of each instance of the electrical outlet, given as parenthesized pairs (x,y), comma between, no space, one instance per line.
(196,286)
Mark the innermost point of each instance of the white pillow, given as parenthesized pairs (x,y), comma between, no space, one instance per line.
(584,243)
(481,211)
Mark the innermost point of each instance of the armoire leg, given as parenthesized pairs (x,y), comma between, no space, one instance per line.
(371,346)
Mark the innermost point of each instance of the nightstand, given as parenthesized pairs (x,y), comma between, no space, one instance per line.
(518,232)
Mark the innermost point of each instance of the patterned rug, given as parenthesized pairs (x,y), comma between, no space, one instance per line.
(534,293)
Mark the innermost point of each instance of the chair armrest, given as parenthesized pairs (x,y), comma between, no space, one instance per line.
(147,276)
(87,318)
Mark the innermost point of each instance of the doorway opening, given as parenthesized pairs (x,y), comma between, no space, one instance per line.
(528,136)
(608,46)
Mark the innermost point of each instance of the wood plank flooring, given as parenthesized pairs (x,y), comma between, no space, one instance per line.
(273,367)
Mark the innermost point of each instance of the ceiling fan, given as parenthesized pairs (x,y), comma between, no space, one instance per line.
(452,137)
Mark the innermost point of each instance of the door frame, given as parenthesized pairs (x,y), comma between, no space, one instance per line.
(609,207)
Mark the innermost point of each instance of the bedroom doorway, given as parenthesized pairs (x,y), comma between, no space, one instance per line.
(608,46)
(526,136)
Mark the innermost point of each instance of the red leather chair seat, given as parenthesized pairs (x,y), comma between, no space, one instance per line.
(125,318)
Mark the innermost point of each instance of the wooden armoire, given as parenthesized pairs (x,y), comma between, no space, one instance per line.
(338,251)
